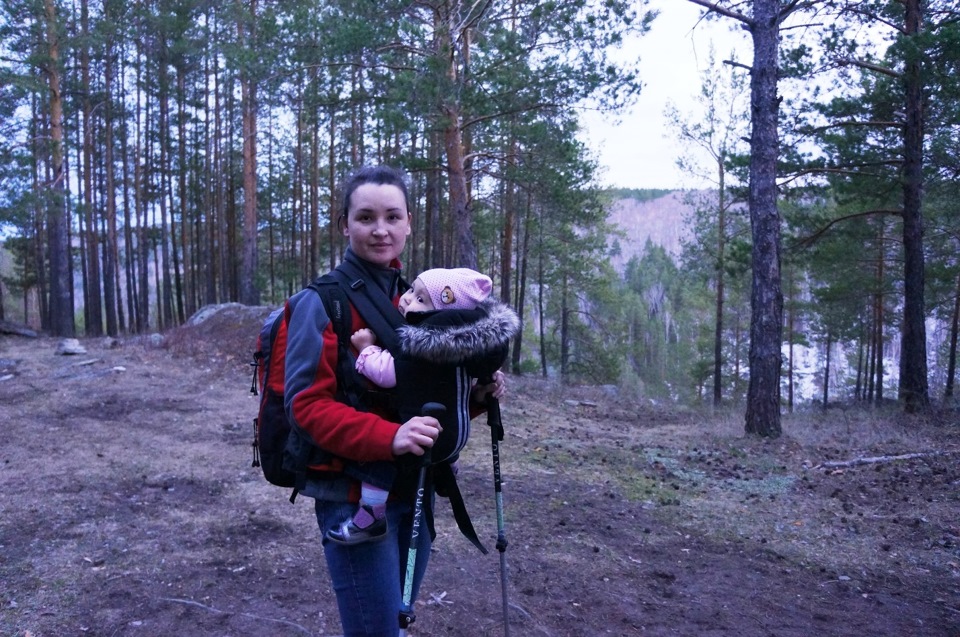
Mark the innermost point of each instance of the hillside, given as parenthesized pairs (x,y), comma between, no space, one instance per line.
(661,220)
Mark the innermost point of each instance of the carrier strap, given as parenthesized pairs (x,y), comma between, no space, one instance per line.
(443,475)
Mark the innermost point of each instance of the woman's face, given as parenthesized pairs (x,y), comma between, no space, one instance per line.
(377,223)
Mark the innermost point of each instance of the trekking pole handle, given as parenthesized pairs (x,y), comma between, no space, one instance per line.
(493,410)
(431,410)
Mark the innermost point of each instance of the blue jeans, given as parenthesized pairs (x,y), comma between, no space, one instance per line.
(368,578)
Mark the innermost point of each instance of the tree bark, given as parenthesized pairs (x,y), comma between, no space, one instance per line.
(110,250)
(465,252)
(92,295)
(913,353)
(954,329)
(60,321)
(332,185)
(246,31)
(162,176)
(720,264)
(876,379)
(509,220)
(521,286)
(826,373)
(766,322)
(185,291)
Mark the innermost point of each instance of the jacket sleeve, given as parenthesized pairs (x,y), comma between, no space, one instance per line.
(310,388)
(376,365)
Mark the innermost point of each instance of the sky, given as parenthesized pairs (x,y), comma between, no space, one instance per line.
(639,151)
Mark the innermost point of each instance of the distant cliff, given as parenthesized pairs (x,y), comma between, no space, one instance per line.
(662,219)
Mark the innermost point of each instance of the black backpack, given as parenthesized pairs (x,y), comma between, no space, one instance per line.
(277,449)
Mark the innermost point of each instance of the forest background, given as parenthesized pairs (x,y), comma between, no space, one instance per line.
(158,157)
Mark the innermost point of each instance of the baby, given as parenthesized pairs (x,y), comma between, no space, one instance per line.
(455,334)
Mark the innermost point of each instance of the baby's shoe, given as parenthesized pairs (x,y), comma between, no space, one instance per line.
(364,526)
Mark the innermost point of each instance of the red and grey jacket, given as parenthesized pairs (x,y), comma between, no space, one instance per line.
(309,342)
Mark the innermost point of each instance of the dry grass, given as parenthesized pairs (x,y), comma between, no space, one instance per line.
(698,471)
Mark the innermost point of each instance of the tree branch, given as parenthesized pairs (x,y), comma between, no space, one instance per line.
(809,241)
(869,66)
(736,64)
(190,602)
(838,464)
(851,122)
(714,7)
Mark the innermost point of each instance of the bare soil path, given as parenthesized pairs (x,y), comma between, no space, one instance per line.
(128,507)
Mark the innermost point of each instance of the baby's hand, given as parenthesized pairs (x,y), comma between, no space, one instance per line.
(363,338)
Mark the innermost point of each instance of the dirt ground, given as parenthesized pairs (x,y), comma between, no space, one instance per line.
(129,507)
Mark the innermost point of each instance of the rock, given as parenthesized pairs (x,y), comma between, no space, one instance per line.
(69,346)
(9,327)
(207,311)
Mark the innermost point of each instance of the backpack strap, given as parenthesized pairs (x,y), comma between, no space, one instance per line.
(337,306)
(376,308)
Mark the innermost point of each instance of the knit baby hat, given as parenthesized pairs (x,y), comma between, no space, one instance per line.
(457,288)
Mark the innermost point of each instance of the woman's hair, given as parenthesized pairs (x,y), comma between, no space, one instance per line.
(380,175)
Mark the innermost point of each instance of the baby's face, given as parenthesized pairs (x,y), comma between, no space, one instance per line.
(416,299)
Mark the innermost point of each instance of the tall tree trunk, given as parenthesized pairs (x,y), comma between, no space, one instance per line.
(130,247)
(720,265)
(541,306)
(271,228)
(878,318)
(766,299)
(187,293)
(92,295)
(861,346)
(791,312)
(247,35)
(110,250)
(433,255)
(954,329)
(913,346)
(214,206)
(40,121)
(299,169)
(165,287)
(826,373)
(870,366)
(509,220)
(313,268)
(465,251)
(333,226)
(60,321)
(521,286)
(140,176)
(564,327)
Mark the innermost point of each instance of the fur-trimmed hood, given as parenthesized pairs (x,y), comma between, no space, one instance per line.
(454,337)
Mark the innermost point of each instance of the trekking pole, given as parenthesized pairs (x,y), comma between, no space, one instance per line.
(407,616)
(496,437)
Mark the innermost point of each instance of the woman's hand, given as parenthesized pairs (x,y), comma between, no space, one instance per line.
(416,436)
(497,388)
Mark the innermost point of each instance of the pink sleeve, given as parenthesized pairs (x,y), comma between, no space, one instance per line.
(376,365)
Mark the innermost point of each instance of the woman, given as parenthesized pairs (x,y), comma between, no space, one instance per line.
(366,577)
